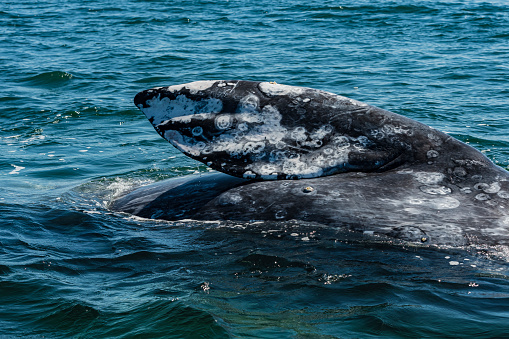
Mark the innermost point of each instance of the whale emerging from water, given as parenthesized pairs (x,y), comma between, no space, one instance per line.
(285,153)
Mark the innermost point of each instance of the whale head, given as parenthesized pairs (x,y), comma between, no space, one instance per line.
(263,130)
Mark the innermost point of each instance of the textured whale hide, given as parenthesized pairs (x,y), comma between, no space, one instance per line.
(359,167)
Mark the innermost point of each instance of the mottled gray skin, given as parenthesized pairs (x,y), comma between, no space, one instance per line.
(393,176)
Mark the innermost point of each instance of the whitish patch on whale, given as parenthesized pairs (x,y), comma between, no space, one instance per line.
(254,136)
(429,178)
(163,109)
(440,203)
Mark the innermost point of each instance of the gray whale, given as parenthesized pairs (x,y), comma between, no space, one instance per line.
(285,153)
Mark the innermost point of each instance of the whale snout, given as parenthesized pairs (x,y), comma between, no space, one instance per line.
(161,104)
(140,99)
(143,99)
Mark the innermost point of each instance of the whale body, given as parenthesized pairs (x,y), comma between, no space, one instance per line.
(294,153)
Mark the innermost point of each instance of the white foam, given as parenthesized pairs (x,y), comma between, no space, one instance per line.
(16,169)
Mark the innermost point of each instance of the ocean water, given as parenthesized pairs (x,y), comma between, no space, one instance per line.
(71,141)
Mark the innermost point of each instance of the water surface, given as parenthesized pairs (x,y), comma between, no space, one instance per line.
(71,141)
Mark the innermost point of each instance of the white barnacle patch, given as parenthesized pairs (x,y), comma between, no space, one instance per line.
(279,156)
(466,190)
(481,186)
(439,203)
(198,86)
(338,158)
(341,141)
(197,131)
(298,168)
(266,171)
(200,146)
(242,127)
(322,132)
(249,175)
(482,197)
(298,134)
(429,178)
(253,147)
(503,194)
(401,130)
(270,115)
(328,151)
(416,201)
(226,144)
(175,88)
(182,143)
(223,121)
(273,89)
(193,87)
(459,171)
(388,129)
(248,104)
(229,199)
(494,187)
(434,139)
(504,221)
(432,154)
(160,110)
(377,134)
(435,189)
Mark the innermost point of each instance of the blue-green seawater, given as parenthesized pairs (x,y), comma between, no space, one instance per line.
(71,141)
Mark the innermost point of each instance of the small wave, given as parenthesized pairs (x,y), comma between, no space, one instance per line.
(412,9)
(49,79)
(67,316)
(9,98)
(153,80)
